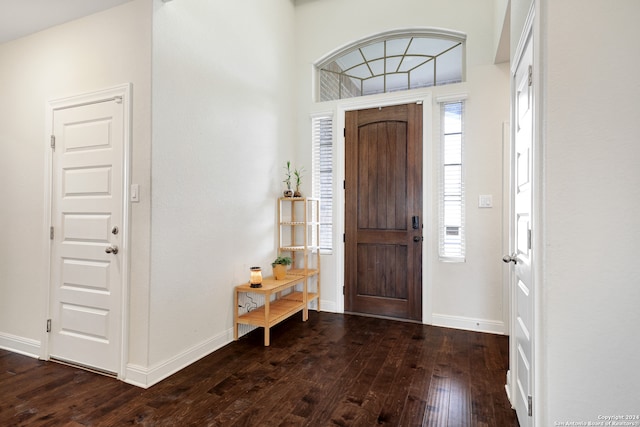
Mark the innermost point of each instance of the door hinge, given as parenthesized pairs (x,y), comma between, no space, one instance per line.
(344,132)
(51,233)
(530,75)
(48,325)
(343,290)
(344,237)
(53,142)
(344,184)
(530,406)
(529,239)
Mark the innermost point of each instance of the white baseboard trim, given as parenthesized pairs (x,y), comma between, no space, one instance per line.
(146,377)
(328,306)
(469,323)
(507,388)
(16,344)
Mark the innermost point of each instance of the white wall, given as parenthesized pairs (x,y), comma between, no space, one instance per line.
(458,294)
(93,53)
(225,99)
(502,30)
(222,131)
(591,284)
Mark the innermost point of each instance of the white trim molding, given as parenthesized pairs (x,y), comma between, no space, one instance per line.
(20,345)
(146,377)
(425,97)
(329,306)
(391,34)
(469,323)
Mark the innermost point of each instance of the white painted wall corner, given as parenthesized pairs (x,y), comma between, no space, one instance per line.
(146,377)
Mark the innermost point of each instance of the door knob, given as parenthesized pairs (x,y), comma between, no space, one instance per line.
(113,249)
(510,258)
(418,238)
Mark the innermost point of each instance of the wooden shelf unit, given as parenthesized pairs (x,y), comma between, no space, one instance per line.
(273,312)
(298,237)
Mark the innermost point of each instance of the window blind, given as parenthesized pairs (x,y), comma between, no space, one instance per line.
(322,128)
(451,192)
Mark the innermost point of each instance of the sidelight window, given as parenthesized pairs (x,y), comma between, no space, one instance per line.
(322,127)
(451,191)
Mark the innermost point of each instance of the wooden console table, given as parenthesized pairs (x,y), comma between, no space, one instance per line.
(273,312)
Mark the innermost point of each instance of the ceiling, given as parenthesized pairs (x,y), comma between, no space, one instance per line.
(20,18)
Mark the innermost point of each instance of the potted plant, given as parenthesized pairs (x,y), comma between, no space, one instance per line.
(287,180)
(280,266)
(298,175)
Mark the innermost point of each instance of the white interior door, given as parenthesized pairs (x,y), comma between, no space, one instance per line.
(87,219)
(522,288)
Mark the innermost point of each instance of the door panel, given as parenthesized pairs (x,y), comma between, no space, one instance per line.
(383,190)
(87,203)
(521,275)
(88,181)
(376,261)
(86,274)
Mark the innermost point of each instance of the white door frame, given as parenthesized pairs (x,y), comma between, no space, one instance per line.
(425,97)
(121,93)
(506,226)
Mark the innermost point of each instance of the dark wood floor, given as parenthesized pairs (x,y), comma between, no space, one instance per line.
(332,370)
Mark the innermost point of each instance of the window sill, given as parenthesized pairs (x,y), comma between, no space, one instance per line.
(453,259)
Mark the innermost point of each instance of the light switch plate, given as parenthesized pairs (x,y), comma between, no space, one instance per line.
(485,201)
(134,194)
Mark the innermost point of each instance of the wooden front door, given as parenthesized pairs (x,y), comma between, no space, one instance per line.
(383,212)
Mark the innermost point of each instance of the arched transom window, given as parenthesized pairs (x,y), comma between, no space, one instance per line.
(393,62)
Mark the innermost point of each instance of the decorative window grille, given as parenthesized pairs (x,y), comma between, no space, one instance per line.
(451,192)
(392,62)
(322,127)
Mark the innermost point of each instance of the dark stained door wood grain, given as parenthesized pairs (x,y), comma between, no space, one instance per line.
(383,193)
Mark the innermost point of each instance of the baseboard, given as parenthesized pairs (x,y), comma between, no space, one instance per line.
(469,323)
(507,388)
(137,375)
(328,306)
(16,344)
(141,376)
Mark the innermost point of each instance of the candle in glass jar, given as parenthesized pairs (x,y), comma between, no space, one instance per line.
(255,279)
